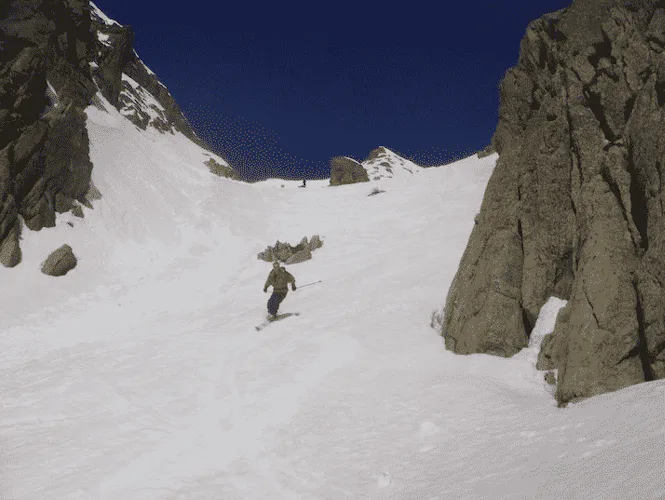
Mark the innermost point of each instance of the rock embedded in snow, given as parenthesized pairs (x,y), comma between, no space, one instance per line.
(44,154)
(573,207)
(77,211)
(222,170)
(376,191)
(284,252)
(60,262)
(345,170)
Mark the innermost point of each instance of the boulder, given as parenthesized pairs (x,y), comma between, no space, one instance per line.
(60,262)
(285,252)
(344,170)
(45,155)
(574,206)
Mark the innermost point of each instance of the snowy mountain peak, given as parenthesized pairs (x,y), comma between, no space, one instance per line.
(382,163)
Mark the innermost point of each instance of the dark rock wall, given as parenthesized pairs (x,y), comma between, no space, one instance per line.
(43,147)
(574,207)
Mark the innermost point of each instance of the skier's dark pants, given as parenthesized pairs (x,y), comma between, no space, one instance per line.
(275,300)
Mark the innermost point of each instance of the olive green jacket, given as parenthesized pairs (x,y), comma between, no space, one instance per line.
(280,280)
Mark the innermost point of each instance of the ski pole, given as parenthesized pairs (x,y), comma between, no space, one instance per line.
(308,284)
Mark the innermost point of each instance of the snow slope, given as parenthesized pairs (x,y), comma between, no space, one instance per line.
(139,375)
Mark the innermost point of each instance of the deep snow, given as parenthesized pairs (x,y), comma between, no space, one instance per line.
(140,376)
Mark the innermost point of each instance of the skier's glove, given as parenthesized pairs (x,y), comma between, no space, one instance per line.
(265,290)
(293,288)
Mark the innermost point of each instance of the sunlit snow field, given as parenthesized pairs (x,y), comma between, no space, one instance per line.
(140,376)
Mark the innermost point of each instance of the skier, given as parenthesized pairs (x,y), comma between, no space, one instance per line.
(279,278)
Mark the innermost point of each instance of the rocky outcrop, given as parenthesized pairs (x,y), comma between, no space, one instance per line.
(344,170)
(284,252)
(55,55)
(487,151)
(222,170)
(574,208)
(299,256)
(60,262)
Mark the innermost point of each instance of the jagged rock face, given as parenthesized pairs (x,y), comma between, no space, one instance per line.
(574,207)
(344,170)
(43,141)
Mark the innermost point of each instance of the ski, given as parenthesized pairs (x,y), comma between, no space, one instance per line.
(272,320)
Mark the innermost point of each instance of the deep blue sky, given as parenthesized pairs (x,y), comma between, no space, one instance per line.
(278,89)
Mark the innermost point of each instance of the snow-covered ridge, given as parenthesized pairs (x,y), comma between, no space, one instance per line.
(96,11)
(383,163)
(137,102)
(139,95)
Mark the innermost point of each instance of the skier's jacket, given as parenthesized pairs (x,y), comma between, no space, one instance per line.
(279,279)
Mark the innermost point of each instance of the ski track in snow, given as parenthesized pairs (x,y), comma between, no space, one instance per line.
(140,376)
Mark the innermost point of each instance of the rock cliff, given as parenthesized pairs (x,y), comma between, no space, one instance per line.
(574,208)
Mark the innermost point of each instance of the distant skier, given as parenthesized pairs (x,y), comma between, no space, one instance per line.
(279,278)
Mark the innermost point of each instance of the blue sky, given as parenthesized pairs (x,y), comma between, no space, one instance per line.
(279,89)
